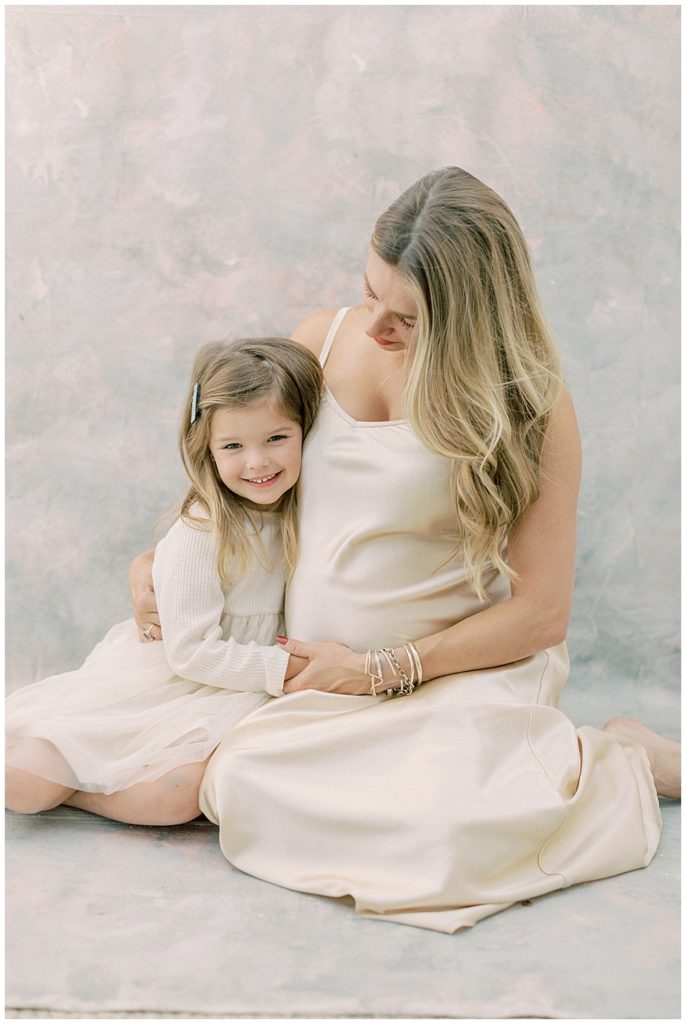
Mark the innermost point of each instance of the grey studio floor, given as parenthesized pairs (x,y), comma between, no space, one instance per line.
(111,920)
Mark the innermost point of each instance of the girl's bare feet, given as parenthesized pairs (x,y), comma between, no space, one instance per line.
(664,755)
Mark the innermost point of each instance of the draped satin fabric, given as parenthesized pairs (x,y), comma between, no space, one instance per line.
(440,808)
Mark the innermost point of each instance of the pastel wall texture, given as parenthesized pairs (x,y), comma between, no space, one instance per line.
(178,174)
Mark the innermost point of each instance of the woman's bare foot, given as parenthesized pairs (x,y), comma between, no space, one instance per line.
(664,755)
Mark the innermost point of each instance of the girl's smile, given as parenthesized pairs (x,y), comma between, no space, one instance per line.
(256,450)
(263,481)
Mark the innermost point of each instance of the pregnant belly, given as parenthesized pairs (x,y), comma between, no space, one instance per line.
(326,607)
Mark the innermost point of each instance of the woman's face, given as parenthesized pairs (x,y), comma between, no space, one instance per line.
(392,310)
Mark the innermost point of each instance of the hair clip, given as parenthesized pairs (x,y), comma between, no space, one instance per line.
(195,412)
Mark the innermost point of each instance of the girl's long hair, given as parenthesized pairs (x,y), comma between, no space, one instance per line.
(485,371)
(234,375)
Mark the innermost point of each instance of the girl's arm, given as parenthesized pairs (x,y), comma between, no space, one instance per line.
(190,599)
(541,551)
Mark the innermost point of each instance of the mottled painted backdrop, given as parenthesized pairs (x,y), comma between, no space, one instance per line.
(179,174)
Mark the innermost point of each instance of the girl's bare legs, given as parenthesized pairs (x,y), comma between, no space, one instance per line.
(28,794)
(664,755)
(169,800)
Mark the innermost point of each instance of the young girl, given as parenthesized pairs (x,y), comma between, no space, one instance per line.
(144,718)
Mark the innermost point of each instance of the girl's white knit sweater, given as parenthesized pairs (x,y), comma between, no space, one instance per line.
(218,635)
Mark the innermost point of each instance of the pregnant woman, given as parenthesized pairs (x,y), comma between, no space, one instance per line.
(436,561)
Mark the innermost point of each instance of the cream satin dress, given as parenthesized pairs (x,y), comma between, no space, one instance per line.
(451,804)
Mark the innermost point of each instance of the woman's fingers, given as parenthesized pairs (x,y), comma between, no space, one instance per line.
(148,622)
(294,646)
(145,614)
(147,617)
(295,666)
(149,632)
(329,679)
(142,593)
(332,667)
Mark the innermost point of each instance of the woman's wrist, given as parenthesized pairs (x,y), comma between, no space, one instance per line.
(358,662)
(403,658)
(396,671)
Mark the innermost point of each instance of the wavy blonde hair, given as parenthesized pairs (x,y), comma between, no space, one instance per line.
(485,371)
(235,375)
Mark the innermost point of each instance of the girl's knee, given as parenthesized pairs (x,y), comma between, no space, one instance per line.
(179,807)
(30,794)
(178,793)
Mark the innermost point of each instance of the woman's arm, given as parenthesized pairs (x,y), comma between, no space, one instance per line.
(541,551)
(143,597)
(191,601)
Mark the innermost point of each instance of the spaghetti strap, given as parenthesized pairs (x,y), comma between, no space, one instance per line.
(335,324)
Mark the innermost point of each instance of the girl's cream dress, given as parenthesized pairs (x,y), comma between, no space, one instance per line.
(443,807)
(134,711)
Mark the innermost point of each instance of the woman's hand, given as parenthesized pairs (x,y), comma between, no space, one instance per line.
(332,668)
(295,667)
(143,598)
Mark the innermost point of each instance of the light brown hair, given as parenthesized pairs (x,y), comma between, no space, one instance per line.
(234,375)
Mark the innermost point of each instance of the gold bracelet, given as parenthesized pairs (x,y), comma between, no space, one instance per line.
(406,685)
(417,669)
(379,671)
(374,677)
(410,662)
(383,653)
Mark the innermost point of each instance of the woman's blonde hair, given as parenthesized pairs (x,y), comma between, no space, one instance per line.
(485,371)
(235,375)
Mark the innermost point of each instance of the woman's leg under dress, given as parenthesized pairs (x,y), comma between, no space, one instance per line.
(434,810)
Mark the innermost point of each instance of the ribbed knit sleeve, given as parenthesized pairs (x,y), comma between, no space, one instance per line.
(191,603)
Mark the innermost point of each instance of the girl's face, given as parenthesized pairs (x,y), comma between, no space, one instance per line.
(393,311)
(257,451)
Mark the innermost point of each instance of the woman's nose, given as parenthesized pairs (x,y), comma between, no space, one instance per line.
(378,322)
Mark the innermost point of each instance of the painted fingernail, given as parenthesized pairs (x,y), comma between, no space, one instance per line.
(281,639)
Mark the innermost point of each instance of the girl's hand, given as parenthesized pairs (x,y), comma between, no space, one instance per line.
(332,668)
(143,598)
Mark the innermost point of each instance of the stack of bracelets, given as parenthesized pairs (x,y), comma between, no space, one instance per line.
(373,666)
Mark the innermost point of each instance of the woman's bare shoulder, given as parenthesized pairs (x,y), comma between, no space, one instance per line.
(311,332)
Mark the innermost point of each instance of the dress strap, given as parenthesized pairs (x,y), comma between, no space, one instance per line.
(335,324)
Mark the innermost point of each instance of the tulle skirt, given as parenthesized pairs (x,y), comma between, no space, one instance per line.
(123,717)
